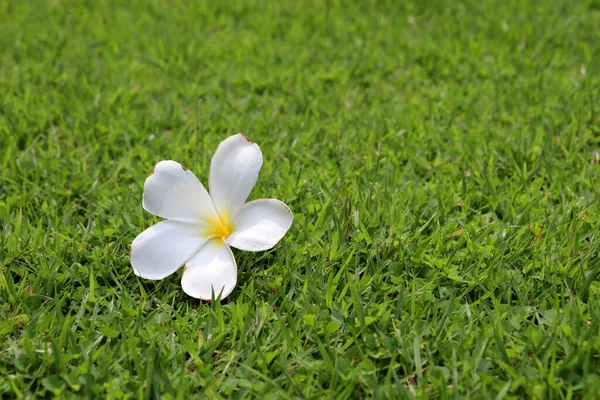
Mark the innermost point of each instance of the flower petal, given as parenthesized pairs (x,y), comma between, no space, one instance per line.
(260,224)
(211,268)
(161,249)
(173,192)
(233,172)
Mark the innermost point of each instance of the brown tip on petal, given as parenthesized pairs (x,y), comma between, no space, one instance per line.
(289,210)
(151,173)
(130,251)
(184,168)
(247,138)
(184,268)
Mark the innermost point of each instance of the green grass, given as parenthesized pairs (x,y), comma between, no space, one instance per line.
(442,160)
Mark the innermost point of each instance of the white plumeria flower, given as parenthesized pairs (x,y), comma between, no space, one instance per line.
(200,227)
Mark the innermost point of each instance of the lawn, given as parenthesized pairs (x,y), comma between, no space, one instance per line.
(441,158)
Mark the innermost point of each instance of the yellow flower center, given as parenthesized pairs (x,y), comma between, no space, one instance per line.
(219,227)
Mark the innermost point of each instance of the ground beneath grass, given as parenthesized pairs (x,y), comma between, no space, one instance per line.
(442,160)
